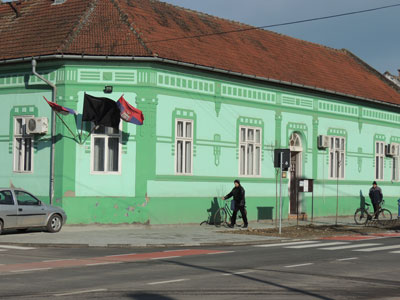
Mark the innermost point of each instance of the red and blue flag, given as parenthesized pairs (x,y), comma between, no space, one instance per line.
(61,109)
(129,113)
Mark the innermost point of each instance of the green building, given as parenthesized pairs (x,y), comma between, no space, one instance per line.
(215,107)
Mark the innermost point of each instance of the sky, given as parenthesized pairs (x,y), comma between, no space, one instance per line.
(372,36)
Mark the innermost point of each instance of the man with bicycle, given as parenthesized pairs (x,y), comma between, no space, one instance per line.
(376,196)
(238,194)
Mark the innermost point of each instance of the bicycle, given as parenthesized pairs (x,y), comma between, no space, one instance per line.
(222,214)
(362,215)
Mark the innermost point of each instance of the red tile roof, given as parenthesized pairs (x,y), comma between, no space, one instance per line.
(138,28)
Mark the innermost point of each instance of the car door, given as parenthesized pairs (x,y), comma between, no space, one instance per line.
(8,209)
(31,212)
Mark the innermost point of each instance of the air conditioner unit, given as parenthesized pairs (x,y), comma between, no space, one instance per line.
(323,142)
(37,125)
(392,150)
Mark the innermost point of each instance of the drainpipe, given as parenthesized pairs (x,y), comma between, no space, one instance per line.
(53,129)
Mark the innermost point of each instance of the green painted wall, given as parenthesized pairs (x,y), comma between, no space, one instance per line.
(147,190)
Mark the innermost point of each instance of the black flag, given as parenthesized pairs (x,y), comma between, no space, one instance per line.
(101,111)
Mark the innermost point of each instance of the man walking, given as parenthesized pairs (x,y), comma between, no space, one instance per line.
(376,196)
(239,199)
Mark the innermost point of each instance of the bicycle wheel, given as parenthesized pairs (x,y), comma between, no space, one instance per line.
(361,216)
(220,217)
(384,215)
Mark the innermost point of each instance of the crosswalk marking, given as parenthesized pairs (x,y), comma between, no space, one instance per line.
(317,245)
(285,244)
(378,248)
(16,247)
(350,246)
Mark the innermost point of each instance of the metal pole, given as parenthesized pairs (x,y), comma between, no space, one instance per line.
(276,198)
(312,206)
(337,191)
(53,130)
(280,195)
(297,200)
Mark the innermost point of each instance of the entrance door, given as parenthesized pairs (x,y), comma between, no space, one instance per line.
(293,183)
(295,171)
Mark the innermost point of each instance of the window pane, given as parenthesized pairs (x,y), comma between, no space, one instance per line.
(332,143)
(179,157)
(243,134)
(242,160)
(99,154)
(179,129)
(257,161)
(188,158)
(377,148)
(381,168)
(382,148)
(342,145)
(113,153)
(188,129)
(337,143)
(250,159)
(18,126)
(6,198)
(250,134)
(28,155)
(258,136)
(342,163)
(110,130)
(25,198)
(18,154)
(337,164)
(377,167)
(332,164)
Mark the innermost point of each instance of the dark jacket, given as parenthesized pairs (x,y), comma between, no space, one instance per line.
(375,194)
(238,195)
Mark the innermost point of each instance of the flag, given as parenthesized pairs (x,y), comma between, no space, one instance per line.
(61,109)
(129,113)
(101,111)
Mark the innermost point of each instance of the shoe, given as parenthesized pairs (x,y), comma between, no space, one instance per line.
(245,226)
(231,225)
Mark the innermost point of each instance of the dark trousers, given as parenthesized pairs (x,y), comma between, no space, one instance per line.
(376,207)
(235,211)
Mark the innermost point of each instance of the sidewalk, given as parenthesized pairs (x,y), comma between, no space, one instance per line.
(132,235)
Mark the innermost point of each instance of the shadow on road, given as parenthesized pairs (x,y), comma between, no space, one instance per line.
(147,296)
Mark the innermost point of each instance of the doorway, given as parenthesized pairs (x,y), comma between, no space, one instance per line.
(296,150)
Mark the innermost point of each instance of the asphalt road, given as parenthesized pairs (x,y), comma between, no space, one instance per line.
(367,269)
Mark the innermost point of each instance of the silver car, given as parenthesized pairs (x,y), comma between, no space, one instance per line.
(21,210)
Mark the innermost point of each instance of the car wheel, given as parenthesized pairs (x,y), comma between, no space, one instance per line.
(54,224)
(1,227)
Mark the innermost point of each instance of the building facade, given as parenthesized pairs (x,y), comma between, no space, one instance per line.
(204,127)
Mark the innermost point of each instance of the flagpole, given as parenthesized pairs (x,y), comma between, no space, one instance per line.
(66,125)
(76,123)
(93,129)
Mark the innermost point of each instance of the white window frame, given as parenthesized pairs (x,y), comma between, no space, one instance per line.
(106,136)
(379,157)
(184,139)
(246,143)
(335,172)
(23,136)
(396,164)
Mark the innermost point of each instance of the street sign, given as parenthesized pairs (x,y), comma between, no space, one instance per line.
(285,158)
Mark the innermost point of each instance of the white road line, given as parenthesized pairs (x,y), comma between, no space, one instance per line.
(222,252)
(165,257)
(317,245)
(57,260)
(165,282)
(395,252)
(31,270)
(378,248)
(285,244)
(16,247)
(350,246)
(300,265)
(104,263)
(80,292)
(238,273)
(350,258)
(176,250)
(3,250)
